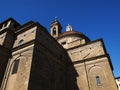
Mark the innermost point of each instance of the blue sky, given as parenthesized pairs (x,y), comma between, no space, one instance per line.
(95,18)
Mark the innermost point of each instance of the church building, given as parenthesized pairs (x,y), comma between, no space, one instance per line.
(33,59)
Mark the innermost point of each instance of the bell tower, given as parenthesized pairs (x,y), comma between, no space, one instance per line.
(55,28)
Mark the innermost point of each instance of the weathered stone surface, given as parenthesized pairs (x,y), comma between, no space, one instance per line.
(34,60)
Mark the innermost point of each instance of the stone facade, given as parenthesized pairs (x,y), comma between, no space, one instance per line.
(37,61)
(90,59)
(32,59)
(7,37)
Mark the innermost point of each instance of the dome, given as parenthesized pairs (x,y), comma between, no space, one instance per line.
(70,39)
(73,33)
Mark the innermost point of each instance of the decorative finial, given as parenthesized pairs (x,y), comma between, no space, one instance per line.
(55,18)
(68,28)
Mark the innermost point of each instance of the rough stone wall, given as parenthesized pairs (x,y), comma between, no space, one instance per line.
(26,36)
(2,37)
(82,81)
(20,79)
(100,67)
(41,63)
(86,51)
(6,43)
(46,72)
(4,56)
(90,61)
(49,70)
(9,39)
(50,43)
(89,70)
(71,41)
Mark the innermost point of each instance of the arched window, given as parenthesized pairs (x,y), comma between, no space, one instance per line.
(15,66)
(98,81)
(20,42)
(54,31)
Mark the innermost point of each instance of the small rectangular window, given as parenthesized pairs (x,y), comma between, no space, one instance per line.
(20,42)
(15,66)
(98,80)
(63,43)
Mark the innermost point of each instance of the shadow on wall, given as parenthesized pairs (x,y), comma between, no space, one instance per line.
(46,74)
(71,75)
